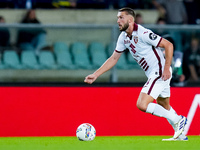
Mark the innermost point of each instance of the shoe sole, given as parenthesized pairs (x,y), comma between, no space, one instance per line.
(169,139)
(173,140)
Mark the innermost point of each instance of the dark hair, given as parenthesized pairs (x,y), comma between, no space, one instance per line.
(28,13)
(129,11)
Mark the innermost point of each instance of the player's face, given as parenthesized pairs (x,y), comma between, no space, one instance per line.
(122,21)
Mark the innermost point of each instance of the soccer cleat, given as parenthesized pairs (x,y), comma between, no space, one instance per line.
(179,127)
(177,139)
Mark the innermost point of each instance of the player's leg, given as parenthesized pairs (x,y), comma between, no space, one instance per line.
(165,102)
(156,87)
(145,104)
(153,88)
(143,101)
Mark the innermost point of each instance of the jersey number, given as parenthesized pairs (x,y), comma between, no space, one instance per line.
(143,64)
(133,48)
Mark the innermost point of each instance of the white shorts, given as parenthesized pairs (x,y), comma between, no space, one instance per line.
(156,87)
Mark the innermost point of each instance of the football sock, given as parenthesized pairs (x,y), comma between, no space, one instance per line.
(158,110)
(170,122)
(182,136)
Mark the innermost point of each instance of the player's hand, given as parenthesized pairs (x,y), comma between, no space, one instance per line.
(90,78)
(166,74)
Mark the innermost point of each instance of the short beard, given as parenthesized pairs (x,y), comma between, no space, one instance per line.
(125,27)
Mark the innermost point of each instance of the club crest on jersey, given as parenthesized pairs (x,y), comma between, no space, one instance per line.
(152,36)
(135,39)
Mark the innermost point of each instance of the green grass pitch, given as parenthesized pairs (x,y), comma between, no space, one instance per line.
(99,143)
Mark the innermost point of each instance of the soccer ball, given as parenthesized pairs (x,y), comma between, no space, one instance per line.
(86,132)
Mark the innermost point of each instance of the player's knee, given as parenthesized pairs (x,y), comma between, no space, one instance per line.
(141,106)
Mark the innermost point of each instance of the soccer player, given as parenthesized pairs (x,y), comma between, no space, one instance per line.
(145,47)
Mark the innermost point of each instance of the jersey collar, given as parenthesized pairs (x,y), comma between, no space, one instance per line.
(134,29)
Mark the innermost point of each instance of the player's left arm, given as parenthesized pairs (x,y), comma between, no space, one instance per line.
(168,46)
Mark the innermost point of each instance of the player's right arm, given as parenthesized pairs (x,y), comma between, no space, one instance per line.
(108,64)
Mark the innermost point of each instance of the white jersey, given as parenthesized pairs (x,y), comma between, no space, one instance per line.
(143,46)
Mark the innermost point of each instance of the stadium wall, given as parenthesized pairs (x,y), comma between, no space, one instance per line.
(58,111)
(74,16)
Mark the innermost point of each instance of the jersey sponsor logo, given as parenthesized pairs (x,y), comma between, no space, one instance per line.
(126,41)
(145,32)
(152,36)
(135,38)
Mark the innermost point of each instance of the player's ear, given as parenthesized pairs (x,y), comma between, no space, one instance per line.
(131,19)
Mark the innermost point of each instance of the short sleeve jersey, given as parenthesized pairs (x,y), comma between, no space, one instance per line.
(143,46)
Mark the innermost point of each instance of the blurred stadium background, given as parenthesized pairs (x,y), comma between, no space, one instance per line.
(43,94)
(75,38)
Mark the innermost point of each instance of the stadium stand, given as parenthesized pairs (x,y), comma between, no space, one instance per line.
(63,56)
(47,60)
(64,60)
(12,60)
(97,53)
(76,56)
(29,60)
(60,47)
(80,55)
(54,22)
(122,62)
